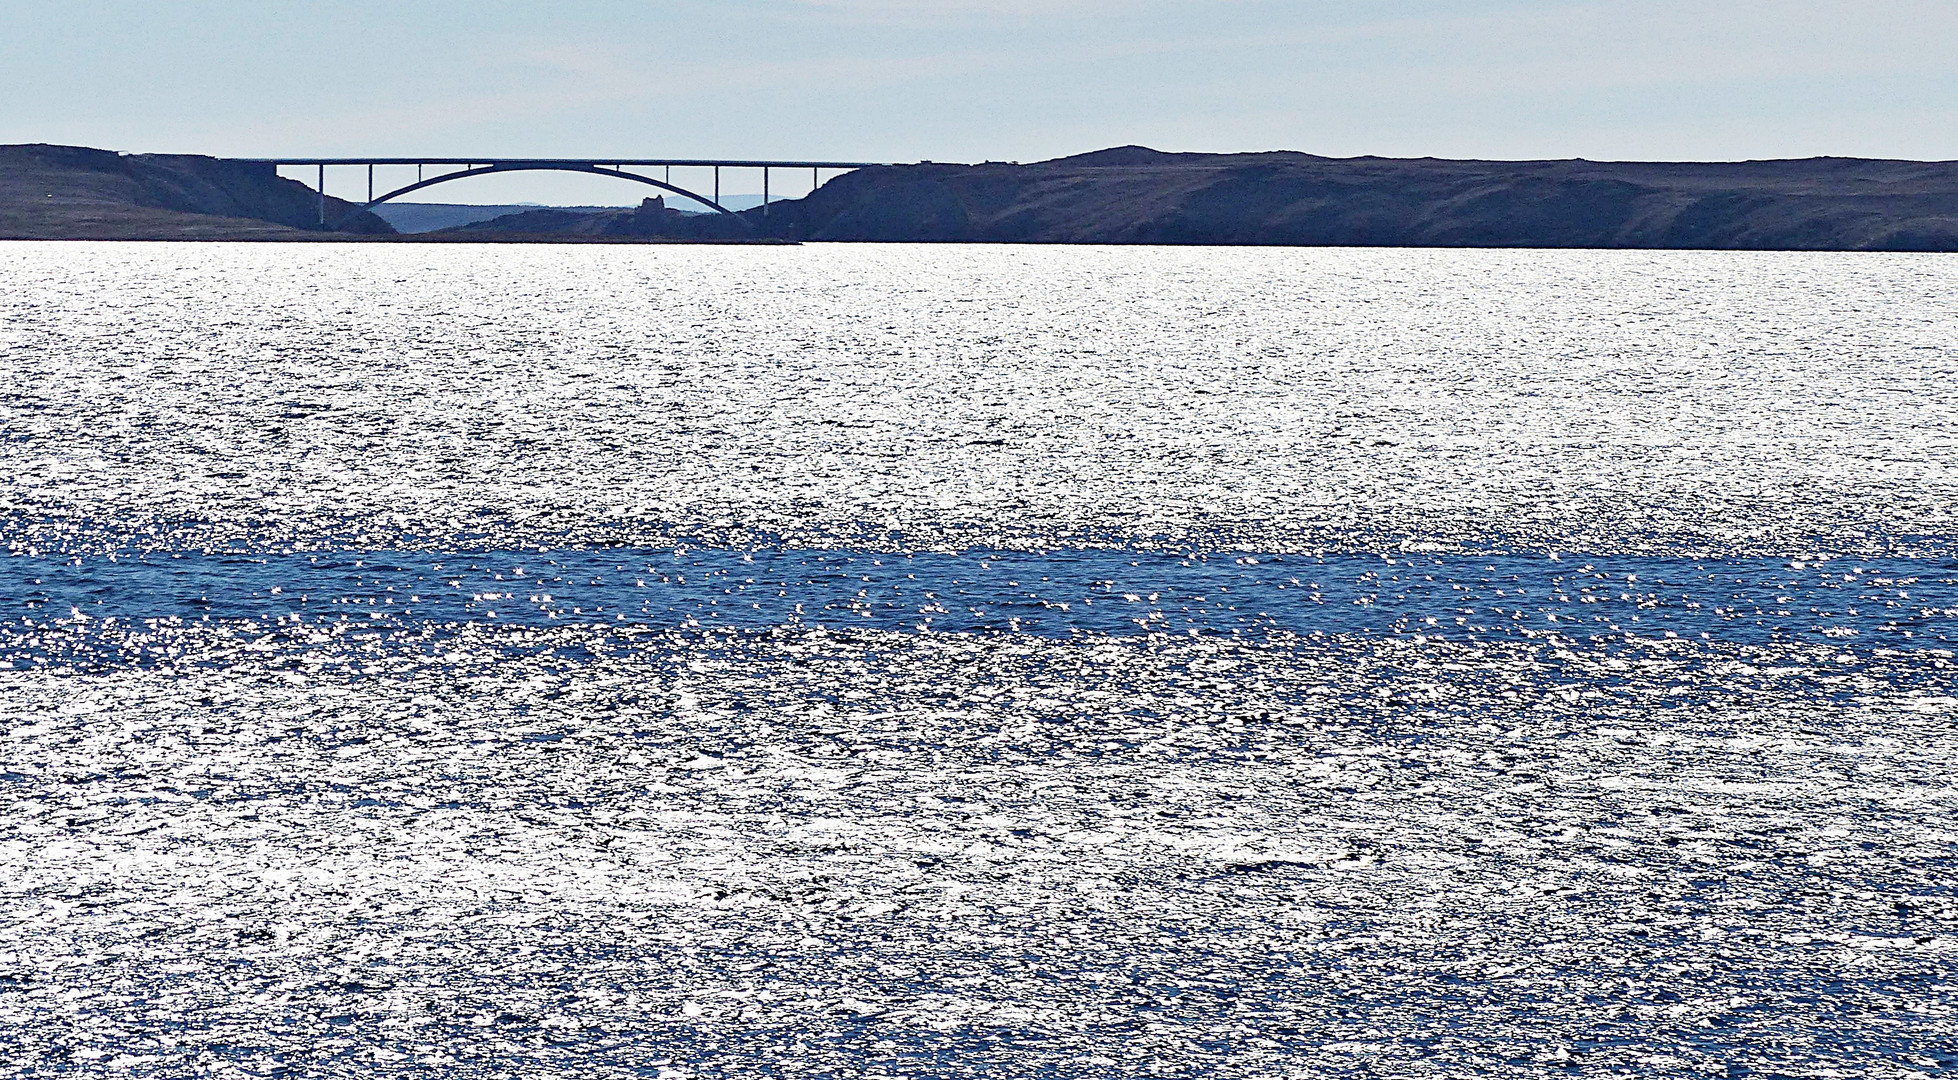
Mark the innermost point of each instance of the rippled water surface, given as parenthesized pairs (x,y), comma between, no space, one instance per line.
(913,661)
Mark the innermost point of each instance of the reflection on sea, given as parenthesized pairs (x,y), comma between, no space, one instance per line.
(883,661)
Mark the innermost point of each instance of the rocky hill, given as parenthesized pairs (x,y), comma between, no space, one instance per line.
(1133,195)
(1128,195)
(419,217)
(652,219)
(76,193)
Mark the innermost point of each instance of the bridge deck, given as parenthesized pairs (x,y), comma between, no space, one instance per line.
(730,163)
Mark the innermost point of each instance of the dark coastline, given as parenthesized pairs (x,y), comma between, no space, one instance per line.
(1128,195)
(77,193)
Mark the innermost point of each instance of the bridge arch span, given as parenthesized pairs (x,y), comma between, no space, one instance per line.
(591,168)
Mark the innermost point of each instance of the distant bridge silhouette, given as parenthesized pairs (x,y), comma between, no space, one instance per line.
(462,168)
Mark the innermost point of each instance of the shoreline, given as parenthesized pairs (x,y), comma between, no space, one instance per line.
(658,241)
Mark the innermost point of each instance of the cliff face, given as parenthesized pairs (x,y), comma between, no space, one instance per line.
(1132,195)
(71,192)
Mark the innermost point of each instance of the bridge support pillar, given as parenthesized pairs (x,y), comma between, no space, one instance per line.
(764,191)
(322,196)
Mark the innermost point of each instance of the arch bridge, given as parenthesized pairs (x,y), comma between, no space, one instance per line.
(624,169)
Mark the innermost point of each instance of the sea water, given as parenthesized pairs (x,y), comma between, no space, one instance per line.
(905,660)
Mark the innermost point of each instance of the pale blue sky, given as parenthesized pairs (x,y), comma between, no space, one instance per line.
(958,80)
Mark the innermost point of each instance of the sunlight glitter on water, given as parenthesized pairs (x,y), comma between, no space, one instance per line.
(942,661)
(1097,591)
